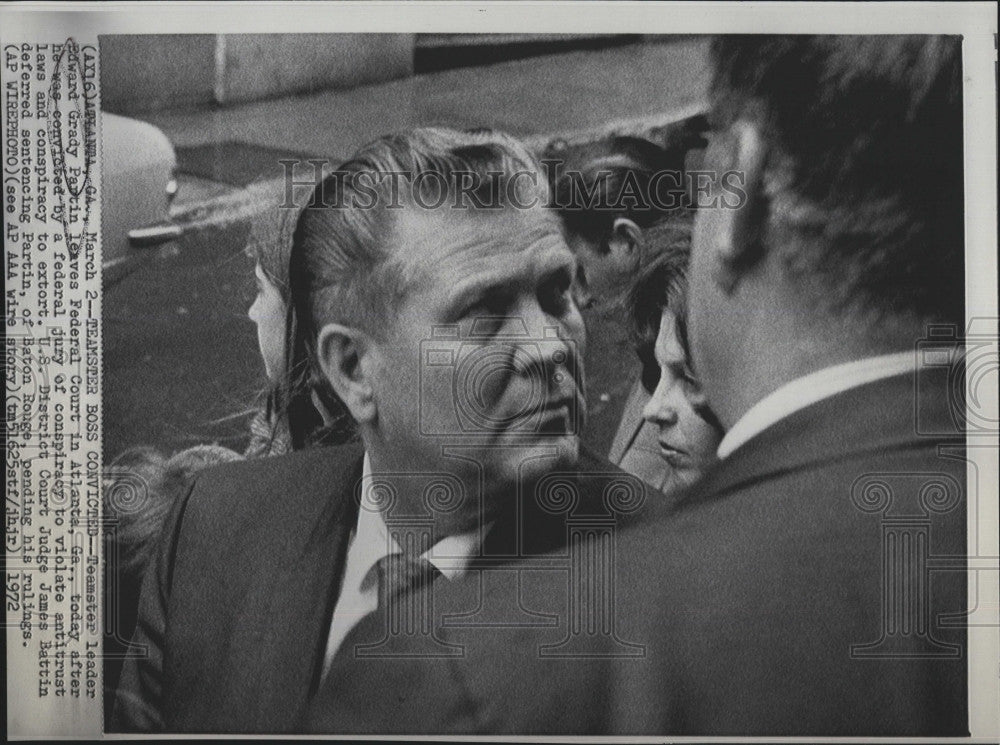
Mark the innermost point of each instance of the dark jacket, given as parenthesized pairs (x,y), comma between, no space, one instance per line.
(237,604)
(812,584)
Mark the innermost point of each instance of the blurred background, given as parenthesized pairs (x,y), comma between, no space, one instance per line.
(195,127)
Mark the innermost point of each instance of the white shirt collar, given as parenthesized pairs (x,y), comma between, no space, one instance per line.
(451,555)
(809,389)
(359,584)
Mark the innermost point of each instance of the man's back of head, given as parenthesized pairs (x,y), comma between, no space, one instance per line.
(849,239)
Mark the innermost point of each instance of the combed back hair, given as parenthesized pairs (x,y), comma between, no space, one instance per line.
(864,164)
(344,259)
(594,184)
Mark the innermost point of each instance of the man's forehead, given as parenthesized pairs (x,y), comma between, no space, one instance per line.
(438,239)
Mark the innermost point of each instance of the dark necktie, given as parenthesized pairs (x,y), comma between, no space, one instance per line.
(398,574)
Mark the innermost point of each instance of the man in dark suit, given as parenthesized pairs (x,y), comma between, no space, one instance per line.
(814,582)
(432,288)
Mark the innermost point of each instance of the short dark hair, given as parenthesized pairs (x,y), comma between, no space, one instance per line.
(865,160)
(608,172)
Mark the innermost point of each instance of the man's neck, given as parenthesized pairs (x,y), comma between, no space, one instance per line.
(803,339)
(811,388)
(411,484)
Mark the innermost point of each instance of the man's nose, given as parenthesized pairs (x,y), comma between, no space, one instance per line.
(582,295)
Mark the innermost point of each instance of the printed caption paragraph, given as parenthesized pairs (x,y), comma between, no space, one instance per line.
(52,283)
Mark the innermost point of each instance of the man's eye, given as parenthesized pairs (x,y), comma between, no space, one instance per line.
(490,305)
(554,294)
(481,312)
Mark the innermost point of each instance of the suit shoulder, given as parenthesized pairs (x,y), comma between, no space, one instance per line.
(290,467)
(285,485)
(787,514)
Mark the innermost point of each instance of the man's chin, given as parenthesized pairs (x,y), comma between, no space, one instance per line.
(546,454)
(513,460)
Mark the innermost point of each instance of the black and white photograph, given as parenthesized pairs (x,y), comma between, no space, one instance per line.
(618,371)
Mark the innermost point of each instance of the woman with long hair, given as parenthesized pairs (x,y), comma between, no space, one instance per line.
(687,432)
(299,408)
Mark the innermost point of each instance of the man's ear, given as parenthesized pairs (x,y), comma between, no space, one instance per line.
(739,241)
(624,245)
(344,356)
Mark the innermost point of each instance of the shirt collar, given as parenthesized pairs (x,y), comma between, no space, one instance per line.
(809,389)
(372,542)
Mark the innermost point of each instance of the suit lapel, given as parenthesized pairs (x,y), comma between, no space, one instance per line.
(297,602)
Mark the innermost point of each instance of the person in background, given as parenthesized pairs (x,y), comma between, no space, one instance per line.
(602,193)
(299,408)
(298,411)
(688,432)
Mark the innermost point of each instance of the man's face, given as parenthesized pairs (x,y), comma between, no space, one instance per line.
(485,350)
(604,270)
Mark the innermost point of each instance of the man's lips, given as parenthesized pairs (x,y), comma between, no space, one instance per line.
(554,417)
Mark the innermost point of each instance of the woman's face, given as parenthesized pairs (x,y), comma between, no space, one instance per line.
(687,441)
(268,313)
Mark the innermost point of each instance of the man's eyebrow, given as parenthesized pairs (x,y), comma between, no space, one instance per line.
(543,264)
(554,260)
(483,284)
